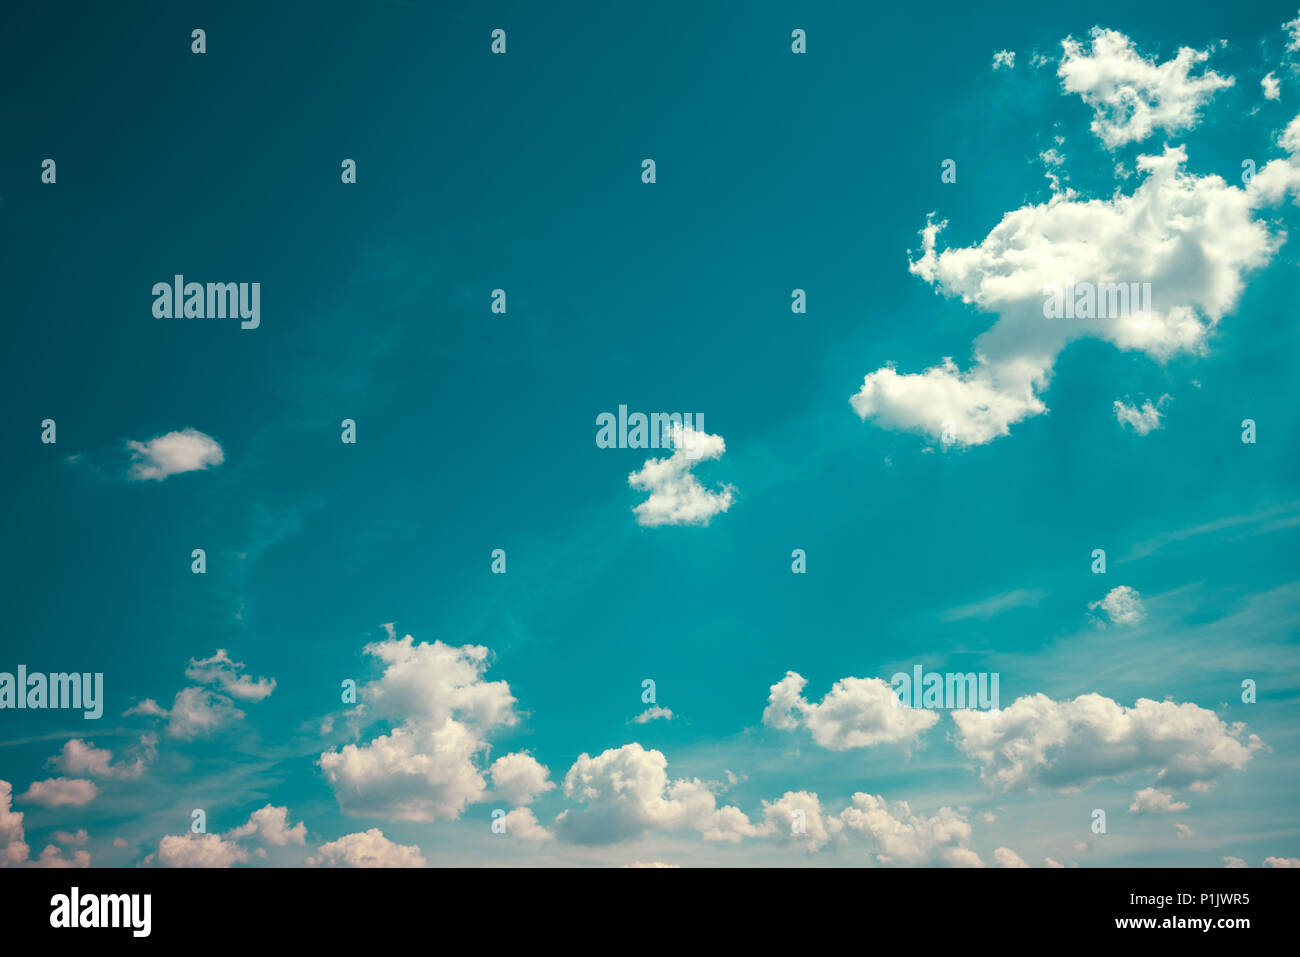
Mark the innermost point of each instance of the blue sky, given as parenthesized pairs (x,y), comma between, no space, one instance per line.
(948,514)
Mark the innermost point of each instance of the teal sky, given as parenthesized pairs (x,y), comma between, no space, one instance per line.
(476,431)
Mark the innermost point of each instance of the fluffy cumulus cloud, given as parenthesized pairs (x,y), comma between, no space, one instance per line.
(266,826)
(199,712)
(1153,799)
(430,765)
(229,675)
(82,758)
(676,496)
(197,850)
(271,826)
(1142,420)
(61,792)
(14,849)
(1271,86)
(855,713)
(625,793)
(899,837)
(1006,857)
(188,450)
(797,817)
(366,849)
(1068,745)
(523,824)
(1122,606)
(1193,238)
(1004,60)
(1132,96)
(520,778)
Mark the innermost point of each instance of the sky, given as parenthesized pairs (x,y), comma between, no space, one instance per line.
(838,266)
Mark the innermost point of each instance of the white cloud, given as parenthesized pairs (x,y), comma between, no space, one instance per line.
(70,839)
(1151,799)
(855,713)
(899,837)
(1004,60)
(366,849)
(1144,420)
(1292,28)
(13,843)
(1122,605)
(520,778)
(625,793)
(1282,862)
(1192,238)
(185,451)
(1132,96)
(221,670)
(1271,86)
(271,825)
(1234,862)
(61,792)
(13,840)
(652,864)
(430,766)
(523,824)
(197,850)
(53,857)
(1071,744)
(676,495)
(1184,831)
(80,757)
(653,712)
(198,712)
(797,817)
(1006,857)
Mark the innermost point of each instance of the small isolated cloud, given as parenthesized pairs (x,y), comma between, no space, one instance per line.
(1272,88)
(229,675)
(520,778)
(855,713)
(1070,745)
(1132,96)
(1184,831)
(61,792)
(80,757)
(1004,60)
(72,839)
(653,712)
(676,495)
(188,450)
(1143,420)
(1122,605)
(1234,862)
(366,849)
(1152,799)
